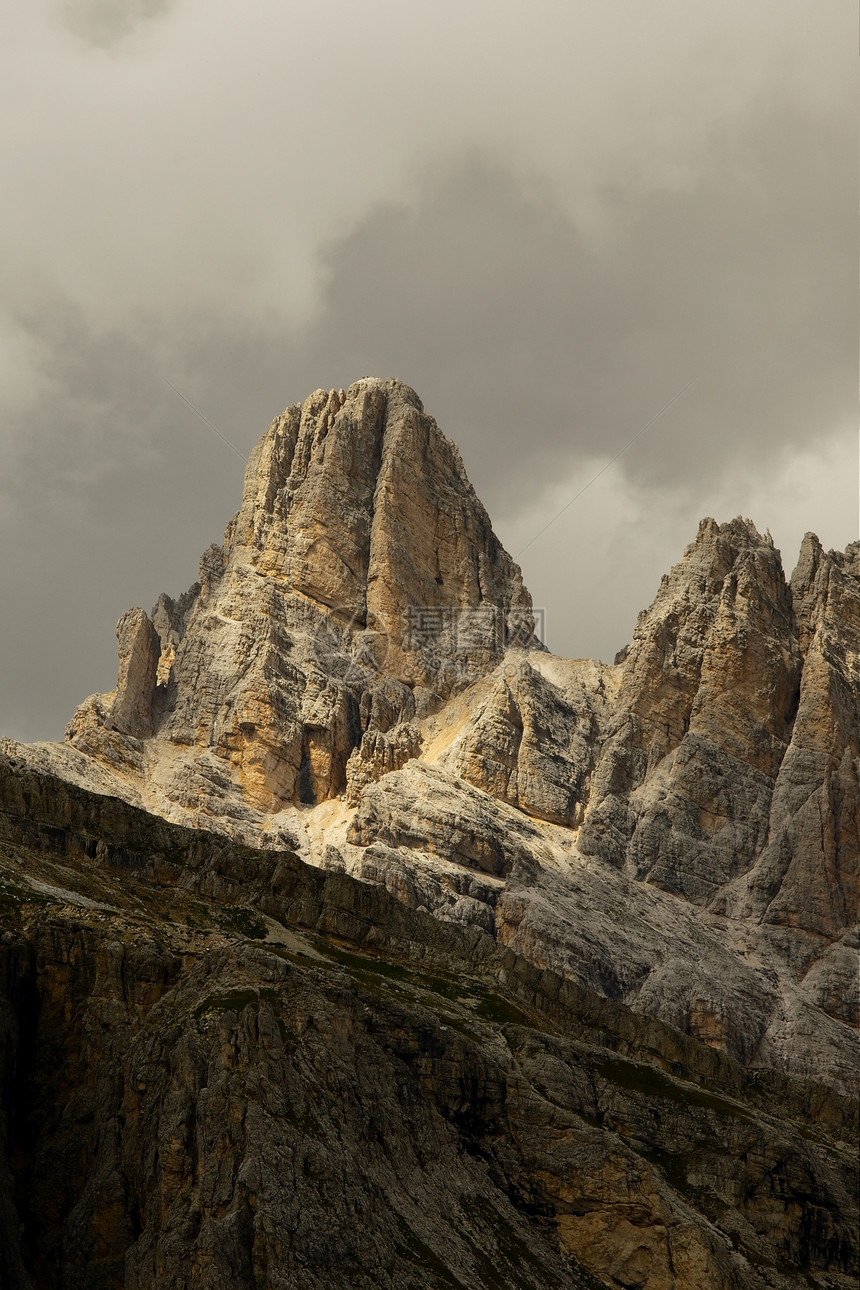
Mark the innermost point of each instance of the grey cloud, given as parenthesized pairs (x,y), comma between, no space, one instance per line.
(534,348)
(112,488)
(105,23)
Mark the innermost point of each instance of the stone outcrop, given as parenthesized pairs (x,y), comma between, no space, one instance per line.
(731,763)
(705,711)
(532,741)
(139,654)
(379,753)
(421,807)
(808,875)
(110,726)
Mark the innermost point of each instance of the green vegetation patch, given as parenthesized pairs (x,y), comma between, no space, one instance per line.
(500,1011)
(366,963)
(235,1000)
(367,969)
(653,1083)
(239,920)
(491,1007)
(12,896)
(366,966)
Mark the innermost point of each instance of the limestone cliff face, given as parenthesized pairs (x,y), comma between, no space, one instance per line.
(359,503)
(359,584)
(808,875)
(805,883)
(704,716)
(532,742)
(731,761)
(730,774)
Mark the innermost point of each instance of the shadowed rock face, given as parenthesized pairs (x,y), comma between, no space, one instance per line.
(706,707)
(354,677)
(226,1068)
(808,876)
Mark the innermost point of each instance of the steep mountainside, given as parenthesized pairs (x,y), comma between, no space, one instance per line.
(225,1068)
(665,849)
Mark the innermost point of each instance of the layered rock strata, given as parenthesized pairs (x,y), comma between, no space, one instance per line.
(224,1067)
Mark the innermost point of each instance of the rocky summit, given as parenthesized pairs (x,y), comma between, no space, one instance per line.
(356,940)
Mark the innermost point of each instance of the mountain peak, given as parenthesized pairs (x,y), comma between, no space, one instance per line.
(357,500)
(360,561)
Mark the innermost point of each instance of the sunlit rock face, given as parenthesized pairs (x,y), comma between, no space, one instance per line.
(356,670)
(359,584)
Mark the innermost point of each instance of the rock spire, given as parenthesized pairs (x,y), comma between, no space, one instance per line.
(359,585)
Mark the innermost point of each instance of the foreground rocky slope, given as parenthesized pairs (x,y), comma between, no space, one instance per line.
(228,1069)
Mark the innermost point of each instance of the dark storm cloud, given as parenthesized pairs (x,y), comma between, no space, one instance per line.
(534,347)
(106,23)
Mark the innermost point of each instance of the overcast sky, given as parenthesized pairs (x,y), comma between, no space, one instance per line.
(548,217)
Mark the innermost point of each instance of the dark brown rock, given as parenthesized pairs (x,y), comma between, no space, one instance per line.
(386,1102)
